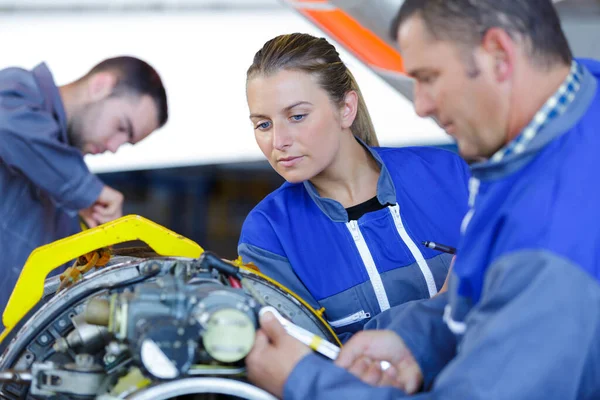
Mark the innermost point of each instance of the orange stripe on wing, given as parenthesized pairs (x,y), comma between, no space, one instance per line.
(363,43)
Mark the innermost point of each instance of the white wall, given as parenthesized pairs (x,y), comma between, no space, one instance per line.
(139,4)
(202,57)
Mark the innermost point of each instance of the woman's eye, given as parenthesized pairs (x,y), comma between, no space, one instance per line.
(298,117)
(263,125)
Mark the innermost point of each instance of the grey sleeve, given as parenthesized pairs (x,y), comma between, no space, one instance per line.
(28,145)
(533,335)
(278,268)
(420,324)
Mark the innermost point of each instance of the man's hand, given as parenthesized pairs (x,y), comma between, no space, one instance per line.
(108,206)
(274,356)
(362,357)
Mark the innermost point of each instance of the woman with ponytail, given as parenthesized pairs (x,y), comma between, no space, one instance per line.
(345,231)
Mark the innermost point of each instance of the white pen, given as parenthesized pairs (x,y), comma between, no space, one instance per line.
(313,341)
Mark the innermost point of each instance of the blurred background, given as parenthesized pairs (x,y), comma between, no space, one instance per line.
(202,173)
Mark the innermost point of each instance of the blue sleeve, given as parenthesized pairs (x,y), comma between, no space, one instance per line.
(260,245)
(533,335)
(29,145)
(420,324)
(277,268)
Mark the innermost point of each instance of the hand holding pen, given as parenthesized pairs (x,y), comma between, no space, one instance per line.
(315,342)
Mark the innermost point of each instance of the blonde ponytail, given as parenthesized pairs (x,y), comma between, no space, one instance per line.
(362,127)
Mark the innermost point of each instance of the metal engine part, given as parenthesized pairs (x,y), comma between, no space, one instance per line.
(83,378)
(164,322)
(147,327)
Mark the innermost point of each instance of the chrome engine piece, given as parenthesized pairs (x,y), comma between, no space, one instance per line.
(146,327)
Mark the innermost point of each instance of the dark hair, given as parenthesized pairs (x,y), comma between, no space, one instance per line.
(303,52)
(467,21)
(136,77)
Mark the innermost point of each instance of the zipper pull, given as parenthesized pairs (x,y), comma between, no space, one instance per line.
(395,210)
(354,229)
(361,315)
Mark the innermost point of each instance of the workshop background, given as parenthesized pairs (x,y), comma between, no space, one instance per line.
(202,173)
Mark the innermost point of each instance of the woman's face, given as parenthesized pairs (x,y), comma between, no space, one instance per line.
(296,125)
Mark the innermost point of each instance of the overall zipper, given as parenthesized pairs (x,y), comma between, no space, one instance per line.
(367,258)
(350,319)
(414,250)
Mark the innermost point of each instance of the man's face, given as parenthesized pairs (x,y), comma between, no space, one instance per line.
(457,87)
(108,123)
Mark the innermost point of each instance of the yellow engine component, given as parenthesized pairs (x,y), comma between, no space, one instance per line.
(30,286)
(133,380)
(91,248)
